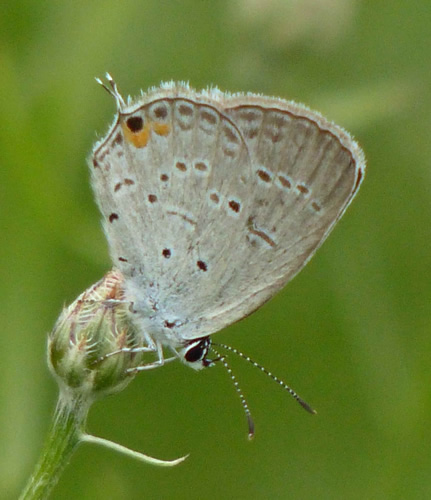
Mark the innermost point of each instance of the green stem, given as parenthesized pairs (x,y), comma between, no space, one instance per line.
(63,437)
(65,434)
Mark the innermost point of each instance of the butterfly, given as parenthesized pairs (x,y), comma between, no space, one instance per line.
(212,202)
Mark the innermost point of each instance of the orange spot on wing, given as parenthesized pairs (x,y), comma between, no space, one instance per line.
(161,128)
(138,139)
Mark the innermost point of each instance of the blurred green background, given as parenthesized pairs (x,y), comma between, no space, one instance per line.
(351,333)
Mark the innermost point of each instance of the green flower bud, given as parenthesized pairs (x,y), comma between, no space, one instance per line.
(82,348)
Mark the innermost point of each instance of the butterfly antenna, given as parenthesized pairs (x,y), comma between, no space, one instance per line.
(113,91)
(239,391)
(295,396)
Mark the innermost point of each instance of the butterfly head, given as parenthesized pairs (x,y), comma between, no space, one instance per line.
(195,352)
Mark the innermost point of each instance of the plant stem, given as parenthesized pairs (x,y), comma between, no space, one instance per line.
(63,438)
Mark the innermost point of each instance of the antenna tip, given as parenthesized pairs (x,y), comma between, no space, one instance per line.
(250,427)
(307,407)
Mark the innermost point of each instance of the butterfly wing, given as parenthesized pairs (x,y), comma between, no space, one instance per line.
(307,171)
(211,204)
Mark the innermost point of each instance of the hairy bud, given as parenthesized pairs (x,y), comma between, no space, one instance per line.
(82,348)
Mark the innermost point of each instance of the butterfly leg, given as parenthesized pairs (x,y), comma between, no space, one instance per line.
(123,350)
(156,347)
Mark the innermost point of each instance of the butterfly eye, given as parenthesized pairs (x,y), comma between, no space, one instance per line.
(197,351)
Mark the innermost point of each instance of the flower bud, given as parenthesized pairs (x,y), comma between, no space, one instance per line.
(82,346)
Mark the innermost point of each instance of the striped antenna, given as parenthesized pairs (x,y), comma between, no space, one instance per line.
(238,390)
(295,396)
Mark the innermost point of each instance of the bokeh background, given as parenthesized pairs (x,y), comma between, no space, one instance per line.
(351,333)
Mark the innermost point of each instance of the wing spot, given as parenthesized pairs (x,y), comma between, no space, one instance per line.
(316,206)
(113,217)
(264,176)
(161,128)
(183,216)
(135,132)
(166,253)
(230,135)
(209,117)
(122,259)
(302,189)
(160,111)
(214,197)
(185,110)
(135,123)
(235,206)
(202,265)
(164,177)
(126,182)
(203,167)
(152,198)
(284,182)
(118,139)
(259,233)
(181,166)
